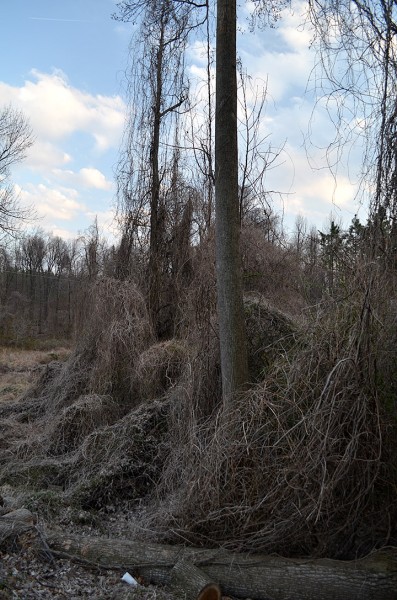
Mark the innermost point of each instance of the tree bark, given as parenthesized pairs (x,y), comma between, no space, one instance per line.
(228,263)
(156,225)
(258,577)
(19,515)
(195,584)
(14,523)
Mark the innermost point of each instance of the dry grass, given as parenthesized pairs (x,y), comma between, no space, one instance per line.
(19,368)
(68,430)
(14,384)
(159,368)
(303,463)
(117,331)
(271,270)
(23,360)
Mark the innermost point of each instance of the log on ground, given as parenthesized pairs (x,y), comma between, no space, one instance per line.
(14,523)
(258,577)
(193,582)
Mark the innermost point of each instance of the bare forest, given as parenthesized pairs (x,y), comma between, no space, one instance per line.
(210,401)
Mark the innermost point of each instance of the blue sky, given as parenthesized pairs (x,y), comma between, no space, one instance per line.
(63,66)
(64,70)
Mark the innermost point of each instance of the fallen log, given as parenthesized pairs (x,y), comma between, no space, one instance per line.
(14,523)
(20,515)
(193,582)
(258,577)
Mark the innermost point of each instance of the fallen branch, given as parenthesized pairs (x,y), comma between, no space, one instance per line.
(258,577)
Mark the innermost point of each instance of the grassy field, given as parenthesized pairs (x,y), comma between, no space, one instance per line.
(19,368)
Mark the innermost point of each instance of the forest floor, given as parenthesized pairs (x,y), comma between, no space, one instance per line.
(24,574)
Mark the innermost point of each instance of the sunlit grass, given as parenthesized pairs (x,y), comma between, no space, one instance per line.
(19,368)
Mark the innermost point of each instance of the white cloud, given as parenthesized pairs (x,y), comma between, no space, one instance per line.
(311,193)
(94,178)
(56,110)
(197,53)
(297,39)
(71,128)
(322,189)
(283,71)
(59,210)
(294,27)
(66,234)
(280,55)
(87,177)
(107,223)
(51,203)
(44,154)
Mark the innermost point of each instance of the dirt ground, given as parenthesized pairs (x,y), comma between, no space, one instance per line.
(25,573)
(24,576)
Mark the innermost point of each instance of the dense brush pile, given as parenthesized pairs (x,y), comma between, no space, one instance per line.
(303,462)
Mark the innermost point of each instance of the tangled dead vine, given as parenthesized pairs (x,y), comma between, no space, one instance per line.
(49,432)
(303,463)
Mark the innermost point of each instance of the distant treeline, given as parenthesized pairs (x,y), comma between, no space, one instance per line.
(44,278)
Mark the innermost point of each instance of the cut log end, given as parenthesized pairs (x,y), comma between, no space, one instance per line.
(210,592)
(195,584)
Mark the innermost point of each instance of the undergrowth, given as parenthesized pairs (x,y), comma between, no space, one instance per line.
(303,463)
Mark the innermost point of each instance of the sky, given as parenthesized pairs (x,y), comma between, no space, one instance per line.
(64,66)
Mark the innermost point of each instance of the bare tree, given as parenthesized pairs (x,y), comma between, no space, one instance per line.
(227,201)
(256,154)
(299,235)
(15,139)
(201,138)
(164,27)
(34,250)
(159,90)
(234,362)
(358,56)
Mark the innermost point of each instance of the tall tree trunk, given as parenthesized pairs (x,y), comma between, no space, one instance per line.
(228,265)
(155,223)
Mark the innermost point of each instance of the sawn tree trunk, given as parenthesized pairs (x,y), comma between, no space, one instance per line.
(258,577)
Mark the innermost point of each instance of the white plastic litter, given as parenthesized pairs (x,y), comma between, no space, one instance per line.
(129,579)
